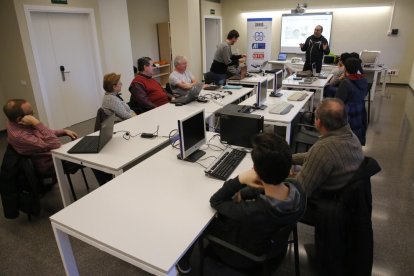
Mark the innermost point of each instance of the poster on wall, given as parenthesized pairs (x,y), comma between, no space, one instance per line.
(259,38)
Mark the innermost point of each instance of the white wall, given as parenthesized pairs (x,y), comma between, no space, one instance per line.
(117,41)
(352,30)
(143,16)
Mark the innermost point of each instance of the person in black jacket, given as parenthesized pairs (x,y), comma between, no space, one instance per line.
(252,206)
(315,46)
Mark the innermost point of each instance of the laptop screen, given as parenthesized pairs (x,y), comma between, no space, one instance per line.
(107,130)
(282,56)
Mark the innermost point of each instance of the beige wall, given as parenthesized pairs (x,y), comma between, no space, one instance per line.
(350,32)
(186,33)
(143,18)
(13,66)
(412,76)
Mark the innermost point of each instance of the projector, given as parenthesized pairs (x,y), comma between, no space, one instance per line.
(297,10)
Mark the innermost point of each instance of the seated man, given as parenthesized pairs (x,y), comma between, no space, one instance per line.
(332,161)
(337,75)
(181,80)
(252,206)
(146,92)
(352,91)
(28,136)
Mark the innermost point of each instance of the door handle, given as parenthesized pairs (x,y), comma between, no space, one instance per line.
(63,72)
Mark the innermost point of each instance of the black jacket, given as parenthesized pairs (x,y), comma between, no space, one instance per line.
(343,230)
(19,185)
(314,52)
(250,223)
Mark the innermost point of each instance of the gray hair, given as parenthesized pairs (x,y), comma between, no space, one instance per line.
(178,60)
(332,113)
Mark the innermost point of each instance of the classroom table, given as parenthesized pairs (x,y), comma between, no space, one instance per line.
(279,119)
(149,216)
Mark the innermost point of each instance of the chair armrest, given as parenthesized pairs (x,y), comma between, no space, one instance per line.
(236,249)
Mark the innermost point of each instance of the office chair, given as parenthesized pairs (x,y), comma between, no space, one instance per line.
(343,226)
(277,244)
(209,78)
(305,132)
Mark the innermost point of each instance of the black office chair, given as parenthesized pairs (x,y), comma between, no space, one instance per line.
(277,245)
(209,78)
(305,132)
(343,226)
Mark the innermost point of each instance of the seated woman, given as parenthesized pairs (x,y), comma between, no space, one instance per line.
(112,101)
(352,91)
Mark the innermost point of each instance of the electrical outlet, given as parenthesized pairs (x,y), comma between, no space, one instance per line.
(393,72)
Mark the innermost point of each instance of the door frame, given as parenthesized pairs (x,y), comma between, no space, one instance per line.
(203,36)
(34,65)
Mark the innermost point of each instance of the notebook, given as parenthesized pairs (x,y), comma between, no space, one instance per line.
(93,144)
(192,95)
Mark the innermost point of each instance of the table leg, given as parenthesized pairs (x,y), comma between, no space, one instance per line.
(374,85)
(66,253)
(62,181)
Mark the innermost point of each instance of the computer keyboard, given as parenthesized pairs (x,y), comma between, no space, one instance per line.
(225,164)
(281,108)
(245,109)
(297,96)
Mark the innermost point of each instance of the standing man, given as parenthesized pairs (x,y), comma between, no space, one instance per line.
(181,80)
(223,58)
(146,92)
(315,46)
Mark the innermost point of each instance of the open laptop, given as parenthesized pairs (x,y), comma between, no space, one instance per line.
(282,56)
(192,95)
(93,144)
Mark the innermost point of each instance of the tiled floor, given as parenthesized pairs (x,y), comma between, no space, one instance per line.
(30,249)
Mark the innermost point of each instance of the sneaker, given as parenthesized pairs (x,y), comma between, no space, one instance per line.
(183,266)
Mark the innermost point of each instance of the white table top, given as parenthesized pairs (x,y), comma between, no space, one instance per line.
(271,101)
(317,84)
(151,214)
(119,152)
(288,61)
(257,77)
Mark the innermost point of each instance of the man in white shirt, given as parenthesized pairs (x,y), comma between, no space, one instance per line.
(181,80)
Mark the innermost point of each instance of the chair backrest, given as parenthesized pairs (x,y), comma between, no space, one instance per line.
(208,78)
(100,117)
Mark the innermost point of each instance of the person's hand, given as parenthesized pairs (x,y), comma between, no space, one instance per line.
(325,46)
(250,178)
(71,134)
(301,45)
(29,120)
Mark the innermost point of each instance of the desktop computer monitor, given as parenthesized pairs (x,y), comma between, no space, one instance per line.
(277,81)
(261,94)
(192,133)
(238,129)
(369,58)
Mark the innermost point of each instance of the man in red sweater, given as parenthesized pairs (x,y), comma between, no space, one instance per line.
(146,92)
(28,136)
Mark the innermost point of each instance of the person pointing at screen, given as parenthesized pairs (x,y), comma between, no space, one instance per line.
(315,46)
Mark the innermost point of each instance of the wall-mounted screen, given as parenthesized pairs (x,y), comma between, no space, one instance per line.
(297,27)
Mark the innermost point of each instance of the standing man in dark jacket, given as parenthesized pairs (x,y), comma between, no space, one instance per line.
(252,206)
(315,46)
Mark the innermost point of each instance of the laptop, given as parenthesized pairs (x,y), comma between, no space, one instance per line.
(93,144)
(192,95)
(282,56)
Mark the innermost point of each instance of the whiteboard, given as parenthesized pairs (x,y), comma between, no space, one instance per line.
(297,27)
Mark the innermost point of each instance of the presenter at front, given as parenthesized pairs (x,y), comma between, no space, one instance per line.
(315,46)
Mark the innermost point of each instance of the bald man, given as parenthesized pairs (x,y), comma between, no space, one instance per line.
(315,46)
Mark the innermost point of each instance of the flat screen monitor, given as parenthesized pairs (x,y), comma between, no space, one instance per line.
(261,94)
(369,57)
(192,133)
(238,129)
(277,81)
(297,27)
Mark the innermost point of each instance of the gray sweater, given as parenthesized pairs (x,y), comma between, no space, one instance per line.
(330,162)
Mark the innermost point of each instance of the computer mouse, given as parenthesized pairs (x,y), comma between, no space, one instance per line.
(178,104)
(229,92)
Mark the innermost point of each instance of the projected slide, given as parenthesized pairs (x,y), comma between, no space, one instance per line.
(296,28)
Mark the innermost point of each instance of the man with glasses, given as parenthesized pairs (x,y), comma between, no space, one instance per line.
(28,136)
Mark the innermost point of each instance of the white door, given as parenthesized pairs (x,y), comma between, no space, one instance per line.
(212,39)
(64,40)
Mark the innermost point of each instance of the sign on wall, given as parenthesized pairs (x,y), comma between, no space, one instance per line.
(259,37)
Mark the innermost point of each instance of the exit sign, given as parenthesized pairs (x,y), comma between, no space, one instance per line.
(60,2)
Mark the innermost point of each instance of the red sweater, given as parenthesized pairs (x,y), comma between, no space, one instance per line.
(152,90)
